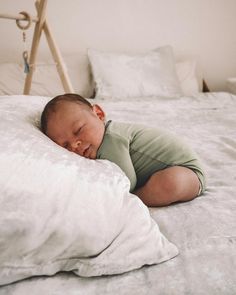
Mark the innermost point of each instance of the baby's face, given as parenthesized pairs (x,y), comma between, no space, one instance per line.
(77,128)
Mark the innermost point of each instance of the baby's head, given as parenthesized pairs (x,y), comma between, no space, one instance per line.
(75,124)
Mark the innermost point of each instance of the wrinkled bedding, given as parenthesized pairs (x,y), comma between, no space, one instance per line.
(204,230)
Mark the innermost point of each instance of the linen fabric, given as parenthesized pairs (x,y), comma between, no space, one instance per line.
(186,72)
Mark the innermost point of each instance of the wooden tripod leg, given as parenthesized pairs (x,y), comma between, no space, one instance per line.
(61,68)
(35,43)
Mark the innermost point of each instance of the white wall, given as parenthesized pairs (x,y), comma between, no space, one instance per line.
(202,28)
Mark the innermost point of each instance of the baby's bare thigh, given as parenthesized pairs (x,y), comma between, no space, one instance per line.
(169,185)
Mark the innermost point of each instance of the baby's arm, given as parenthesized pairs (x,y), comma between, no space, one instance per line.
(116,150)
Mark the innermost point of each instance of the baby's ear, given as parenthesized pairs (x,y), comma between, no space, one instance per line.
(99,112)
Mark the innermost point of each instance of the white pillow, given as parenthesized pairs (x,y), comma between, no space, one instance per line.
(118,75)
(46,80)
(62,212)
(186,71)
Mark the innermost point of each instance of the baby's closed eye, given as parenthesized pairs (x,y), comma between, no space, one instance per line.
(77,132)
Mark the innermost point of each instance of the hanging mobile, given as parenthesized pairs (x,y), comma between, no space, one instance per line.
(25,27)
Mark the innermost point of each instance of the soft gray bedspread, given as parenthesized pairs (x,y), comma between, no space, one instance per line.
(204,229)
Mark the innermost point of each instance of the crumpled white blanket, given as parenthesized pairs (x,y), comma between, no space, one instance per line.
(62,212)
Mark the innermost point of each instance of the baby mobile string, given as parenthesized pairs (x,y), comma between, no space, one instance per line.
(25,54)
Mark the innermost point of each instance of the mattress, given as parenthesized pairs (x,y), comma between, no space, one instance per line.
(204,229)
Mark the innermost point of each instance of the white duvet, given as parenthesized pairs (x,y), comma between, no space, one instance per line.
(62,212)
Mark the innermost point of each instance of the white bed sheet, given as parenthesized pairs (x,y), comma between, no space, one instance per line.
(204,229)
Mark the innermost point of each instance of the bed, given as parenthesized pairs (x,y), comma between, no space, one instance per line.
(127,248)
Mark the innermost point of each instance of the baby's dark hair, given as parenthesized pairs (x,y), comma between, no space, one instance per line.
(52,105)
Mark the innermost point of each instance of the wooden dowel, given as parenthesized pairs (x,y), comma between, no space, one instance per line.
(35,43)
(61,68)
(17,17)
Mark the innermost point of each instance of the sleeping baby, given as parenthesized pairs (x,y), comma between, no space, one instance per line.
(161,168)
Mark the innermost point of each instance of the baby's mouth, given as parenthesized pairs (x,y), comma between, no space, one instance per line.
(86,152)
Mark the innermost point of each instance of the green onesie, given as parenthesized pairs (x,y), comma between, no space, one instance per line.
(140,151)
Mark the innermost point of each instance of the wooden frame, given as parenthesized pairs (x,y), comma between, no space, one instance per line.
(205,87)
(40,26)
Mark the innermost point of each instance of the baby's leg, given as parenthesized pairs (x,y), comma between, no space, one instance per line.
(168,186)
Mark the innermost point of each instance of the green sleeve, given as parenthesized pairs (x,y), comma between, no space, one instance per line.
(116,150)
